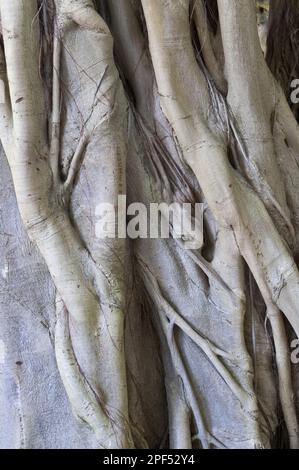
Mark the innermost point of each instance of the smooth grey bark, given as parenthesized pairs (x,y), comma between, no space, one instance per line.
(164,346)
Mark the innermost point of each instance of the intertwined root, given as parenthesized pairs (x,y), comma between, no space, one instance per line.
(80,277)
(257,217)
(225,136)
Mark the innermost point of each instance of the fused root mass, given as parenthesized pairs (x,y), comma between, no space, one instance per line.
(161,101)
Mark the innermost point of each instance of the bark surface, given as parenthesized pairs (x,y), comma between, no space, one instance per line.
(122,343)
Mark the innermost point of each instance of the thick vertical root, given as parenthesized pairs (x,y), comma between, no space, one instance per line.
(87,405)
(233,202)
(283,362)
(41,199)
(179,420)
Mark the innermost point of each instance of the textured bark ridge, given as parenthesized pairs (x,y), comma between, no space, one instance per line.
(156,345)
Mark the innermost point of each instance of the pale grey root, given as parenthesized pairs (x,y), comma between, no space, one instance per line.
(141,343)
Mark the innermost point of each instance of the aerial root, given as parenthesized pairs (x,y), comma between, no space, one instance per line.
(283,362)
(205,345)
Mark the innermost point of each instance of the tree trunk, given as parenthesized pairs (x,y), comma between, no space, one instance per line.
(146,341)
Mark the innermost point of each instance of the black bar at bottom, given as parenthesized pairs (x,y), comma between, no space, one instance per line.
(149,458)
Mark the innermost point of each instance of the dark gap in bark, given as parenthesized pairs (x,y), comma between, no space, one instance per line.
(149,310)
(283,45)
(208,249)
(255,324)
(212,14)
(280,439)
